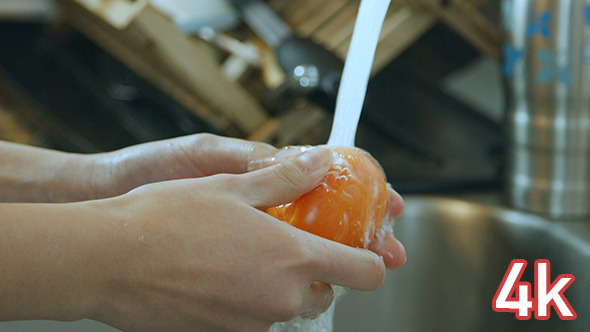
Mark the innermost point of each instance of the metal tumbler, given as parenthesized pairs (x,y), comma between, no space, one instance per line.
(546,67)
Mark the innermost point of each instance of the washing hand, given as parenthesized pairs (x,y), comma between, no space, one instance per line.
(178,241)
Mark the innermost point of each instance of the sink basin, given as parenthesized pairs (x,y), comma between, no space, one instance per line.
(458,253)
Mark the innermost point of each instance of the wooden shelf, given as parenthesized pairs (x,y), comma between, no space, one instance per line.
(150,44)
(331,23)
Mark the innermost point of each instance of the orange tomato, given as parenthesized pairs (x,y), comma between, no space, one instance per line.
(349,204)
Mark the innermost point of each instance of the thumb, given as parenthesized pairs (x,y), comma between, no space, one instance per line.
(286,181)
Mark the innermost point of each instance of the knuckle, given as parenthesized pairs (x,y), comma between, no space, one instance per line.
(377,272)
(289,295)
(207,139)
(322,297)
(290,176)
(288,308)
(301,251)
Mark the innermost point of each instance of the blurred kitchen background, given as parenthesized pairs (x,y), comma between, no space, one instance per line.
(97,75)
(91,75)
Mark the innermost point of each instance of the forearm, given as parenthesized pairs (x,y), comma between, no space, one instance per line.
(30,174)
(49,263)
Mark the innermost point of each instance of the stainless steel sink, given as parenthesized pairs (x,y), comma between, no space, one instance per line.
(458,253)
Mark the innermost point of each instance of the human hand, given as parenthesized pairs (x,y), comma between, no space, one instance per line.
(117,172)
(199,254)
(203,155)
(385,244)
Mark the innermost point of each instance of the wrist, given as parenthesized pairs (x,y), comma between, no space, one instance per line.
(86,177)
(75,178)
(80,177)
(31,174)
(121,248)
(52,261)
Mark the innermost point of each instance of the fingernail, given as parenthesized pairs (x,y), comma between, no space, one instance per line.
(404,253)
(316,161)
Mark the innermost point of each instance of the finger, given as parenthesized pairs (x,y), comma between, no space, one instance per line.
(284,182)
(216,154)
(392,251)
(395,203)
(339,264)
(317,300)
